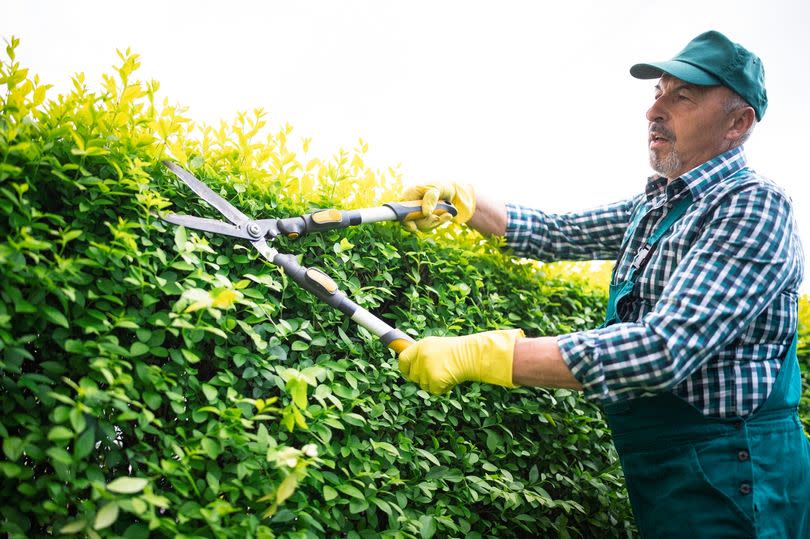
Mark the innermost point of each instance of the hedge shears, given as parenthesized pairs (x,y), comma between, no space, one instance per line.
(260,231)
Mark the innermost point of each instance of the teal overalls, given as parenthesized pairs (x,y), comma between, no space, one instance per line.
(690,475)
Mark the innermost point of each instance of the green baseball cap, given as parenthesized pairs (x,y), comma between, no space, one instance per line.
(712,59)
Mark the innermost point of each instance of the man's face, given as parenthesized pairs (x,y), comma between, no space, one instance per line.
(688,125)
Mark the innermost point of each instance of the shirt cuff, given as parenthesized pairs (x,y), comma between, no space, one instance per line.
(522,229)
(580,351)
(512,226)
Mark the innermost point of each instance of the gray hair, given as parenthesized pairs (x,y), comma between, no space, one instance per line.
(735,102)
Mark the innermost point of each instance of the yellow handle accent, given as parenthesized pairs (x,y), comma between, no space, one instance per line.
(323,280)
(399,345)
(327,216)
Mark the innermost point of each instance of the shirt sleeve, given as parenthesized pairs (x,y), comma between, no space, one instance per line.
(589,235)
(743,258)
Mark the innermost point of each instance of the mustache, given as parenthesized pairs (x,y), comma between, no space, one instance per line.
(660,131)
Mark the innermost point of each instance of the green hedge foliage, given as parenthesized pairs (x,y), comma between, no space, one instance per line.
(804,360)
(160,382)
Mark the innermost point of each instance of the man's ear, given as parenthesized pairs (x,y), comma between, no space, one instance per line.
(741,121)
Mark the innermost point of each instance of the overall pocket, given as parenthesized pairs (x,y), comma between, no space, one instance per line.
(672,496)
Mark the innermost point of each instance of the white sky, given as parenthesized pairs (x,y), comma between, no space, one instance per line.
(531,101)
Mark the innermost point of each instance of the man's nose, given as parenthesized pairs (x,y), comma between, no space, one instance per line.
(657,112)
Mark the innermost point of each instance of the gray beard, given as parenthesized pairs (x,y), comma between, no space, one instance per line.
(667,165)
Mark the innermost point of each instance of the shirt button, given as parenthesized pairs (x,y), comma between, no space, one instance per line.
(743,455)
(745,488)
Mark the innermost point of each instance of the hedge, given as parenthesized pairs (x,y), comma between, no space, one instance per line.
(160,382)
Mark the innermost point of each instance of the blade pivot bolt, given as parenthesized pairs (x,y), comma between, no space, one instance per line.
(254,230)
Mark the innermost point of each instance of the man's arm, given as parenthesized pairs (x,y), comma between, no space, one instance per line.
(500,357)
(538,362)
(746,254)
(594,234)
(490,216)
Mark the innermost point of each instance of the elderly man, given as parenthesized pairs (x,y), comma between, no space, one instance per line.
(695,364)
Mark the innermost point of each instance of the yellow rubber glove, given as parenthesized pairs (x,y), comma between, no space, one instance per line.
(438,364)
(462,196)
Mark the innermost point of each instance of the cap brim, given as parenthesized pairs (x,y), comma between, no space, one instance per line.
(679,70)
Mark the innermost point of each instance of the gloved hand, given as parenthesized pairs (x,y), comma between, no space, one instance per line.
(438,364)
(462,196)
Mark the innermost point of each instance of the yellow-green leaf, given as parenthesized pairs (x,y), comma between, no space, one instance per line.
(329,493)
(106,516)
(180,238)
(190,356)
(127,485)
(224,298)
(286,488)
(73,527)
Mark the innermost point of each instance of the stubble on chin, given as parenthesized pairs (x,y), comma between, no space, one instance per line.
(666,165)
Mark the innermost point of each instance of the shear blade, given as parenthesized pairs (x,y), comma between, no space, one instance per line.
(209,225)
(206,193)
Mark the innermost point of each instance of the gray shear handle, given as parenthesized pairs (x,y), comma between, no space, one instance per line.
(325,289)
(332,219)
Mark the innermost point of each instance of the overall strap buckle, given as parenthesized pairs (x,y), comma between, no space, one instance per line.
(641,256)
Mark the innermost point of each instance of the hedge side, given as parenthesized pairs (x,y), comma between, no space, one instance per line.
(158,381)
(804,360)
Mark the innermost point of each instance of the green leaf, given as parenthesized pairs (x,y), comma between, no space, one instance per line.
(357,506)
(152,399)
(190,356)
(73,527)
(74,346)
(138,349)
(210,392)
(127,485)
(54,316)
(329,493)
(13,447)
(286,488)
(494,441)
(180,238)
(10,470)
(427,526)
(211,448)
(298,390)
(385,446)
(85,444)
(350,490)
(354,419)
(77,420)
(106,516)
(60,433)
(60,455)
(428,456)
(382,504)
(137,531)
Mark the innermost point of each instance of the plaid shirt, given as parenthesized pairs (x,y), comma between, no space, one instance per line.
(715,308)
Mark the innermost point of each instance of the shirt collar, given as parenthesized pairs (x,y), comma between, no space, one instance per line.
(698,180)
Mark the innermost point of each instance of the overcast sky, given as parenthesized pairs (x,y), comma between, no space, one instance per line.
(531,101)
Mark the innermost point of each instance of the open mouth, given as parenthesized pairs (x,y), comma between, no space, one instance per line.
(657,140)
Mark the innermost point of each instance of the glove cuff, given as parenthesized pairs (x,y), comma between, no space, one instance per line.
(464,201)
(497,355)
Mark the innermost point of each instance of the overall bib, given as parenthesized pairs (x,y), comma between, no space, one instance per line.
(690,475)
